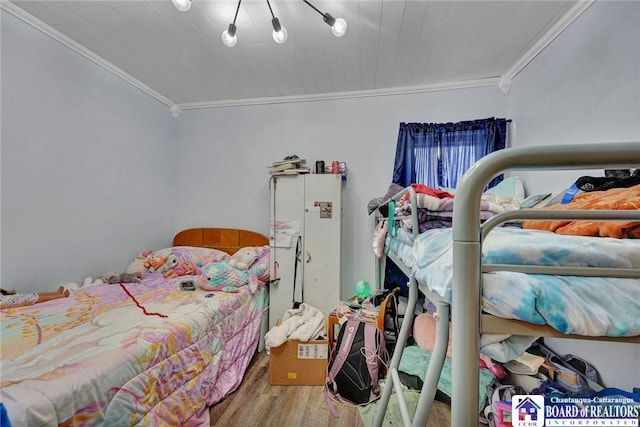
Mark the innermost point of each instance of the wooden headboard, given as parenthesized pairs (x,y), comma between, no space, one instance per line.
(228,240)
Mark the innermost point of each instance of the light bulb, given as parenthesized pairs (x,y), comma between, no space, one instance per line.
(229,40)
(280,36)
(229,36)
(182,5)
(339,28)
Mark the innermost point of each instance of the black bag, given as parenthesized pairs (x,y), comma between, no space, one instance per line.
(352,374)
(573,373)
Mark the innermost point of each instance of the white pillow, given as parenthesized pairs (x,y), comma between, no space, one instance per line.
(511,186)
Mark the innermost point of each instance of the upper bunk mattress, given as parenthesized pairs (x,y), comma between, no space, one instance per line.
(591,306)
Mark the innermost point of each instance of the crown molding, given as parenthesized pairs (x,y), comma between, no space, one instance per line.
(550,36)
(491,81)
(73,45)
(503,82)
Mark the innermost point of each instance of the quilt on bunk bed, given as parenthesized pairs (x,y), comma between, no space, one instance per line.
(591,306)
(131,354)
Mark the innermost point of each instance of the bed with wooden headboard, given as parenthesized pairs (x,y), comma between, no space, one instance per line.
(143,353)
(228,240)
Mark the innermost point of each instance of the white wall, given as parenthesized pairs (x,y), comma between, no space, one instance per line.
(585,88)
(86,161)
(225,153)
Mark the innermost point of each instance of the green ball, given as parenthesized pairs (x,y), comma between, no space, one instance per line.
(362,289)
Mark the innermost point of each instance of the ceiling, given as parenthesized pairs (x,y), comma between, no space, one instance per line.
(391,46)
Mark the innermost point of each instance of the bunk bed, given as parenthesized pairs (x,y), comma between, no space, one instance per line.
(150,353)
(463,273)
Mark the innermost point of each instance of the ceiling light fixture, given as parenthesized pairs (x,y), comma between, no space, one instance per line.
(280,34)
(338,26)
(182,5)
(229,35)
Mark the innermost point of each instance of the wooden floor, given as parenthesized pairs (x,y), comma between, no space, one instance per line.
(256,403)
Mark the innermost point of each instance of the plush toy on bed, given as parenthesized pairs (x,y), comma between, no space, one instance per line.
(112,278)
(183,269)
(137,265)
(231,274)
(159,262)
(243,258)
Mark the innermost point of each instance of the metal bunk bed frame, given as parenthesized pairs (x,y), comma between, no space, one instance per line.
(468,321)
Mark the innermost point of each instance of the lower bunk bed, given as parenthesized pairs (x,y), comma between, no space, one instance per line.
(152,353)
(502,287)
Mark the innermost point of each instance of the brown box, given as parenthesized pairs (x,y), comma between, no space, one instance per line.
(299,363)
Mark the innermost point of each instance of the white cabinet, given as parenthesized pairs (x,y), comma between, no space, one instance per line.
(305,242)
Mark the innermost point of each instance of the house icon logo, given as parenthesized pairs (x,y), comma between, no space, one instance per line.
(527,411)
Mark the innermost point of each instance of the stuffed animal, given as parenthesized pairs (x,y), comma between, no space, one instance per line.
(186,268)
(154,262)
(121,278)
(171,262)
(159,262)
(137,265)
(243,258)
(130,277)
(223,277)
(88,281)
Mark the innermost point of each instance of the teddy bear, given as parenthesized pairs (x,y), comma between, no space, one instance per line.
(159,262)
(243,258)
(171,262)
(153,262)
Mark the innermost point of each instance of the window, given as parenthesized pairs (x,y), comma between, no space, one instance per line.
(438,154)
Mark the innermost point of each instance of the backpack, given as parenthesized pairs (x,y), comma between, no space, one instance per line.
(352,373)
(573,374)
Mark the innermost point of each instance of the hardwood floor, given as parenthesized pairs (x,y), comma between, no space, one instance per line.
(256,403)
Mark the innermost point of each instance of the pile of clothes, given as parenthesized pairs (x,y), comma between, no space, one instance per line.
(303,324)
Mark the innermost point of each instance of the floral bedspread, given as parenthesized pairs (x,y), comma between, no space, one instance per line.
(143,354)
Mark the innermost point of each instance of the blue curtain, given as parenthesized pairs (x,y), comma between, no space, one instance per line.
(438,154)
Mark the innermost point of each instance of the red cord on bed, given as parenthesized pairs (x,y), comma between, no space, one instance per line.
(139,305)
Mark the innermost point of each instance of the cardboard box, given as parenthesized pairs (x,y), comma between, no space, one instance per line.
(299,363)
